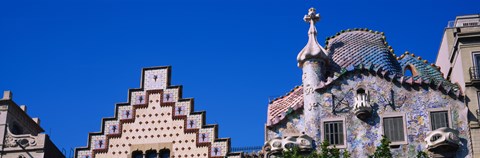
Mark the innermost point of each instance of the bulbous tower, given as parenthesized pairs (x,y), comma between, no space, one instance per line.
(312,59)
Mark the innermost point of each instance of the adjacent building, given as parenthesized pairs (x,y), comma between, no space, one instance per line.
(356,89)
(21,136)
(459,60)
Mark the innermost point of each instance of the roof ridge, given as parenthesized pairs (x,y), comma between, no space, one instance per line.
(406,53)
(288,93)
(390,49)
(393,77)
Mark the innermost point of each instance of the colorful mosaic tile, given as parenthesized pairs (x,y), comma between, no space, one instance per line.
(386,97)
(155,79)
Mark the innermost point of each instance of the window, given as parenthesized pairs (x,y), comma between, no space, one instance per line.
(151,154)
(409,70)
(439,119)
(333,131)
(137,154)
(474,70)
(393,129)
(164,153)
(360,91)
(476,59)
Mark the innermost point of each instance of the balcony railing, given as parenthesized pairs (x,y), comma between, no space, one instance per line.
(246,149)
(475,73)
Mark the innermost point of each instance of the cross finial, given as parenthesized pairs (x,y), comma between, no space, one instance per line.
(312,16)
(313,48)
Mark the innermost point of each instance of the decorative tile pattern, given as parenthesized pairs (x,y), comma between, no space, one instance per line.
(85,154)
(170,95)
(425,71)
(219,149)
(98,142)
(209,134)
(192,123)
(112,127)
(138,98)
(204,137)
(361,47)
(216,151)
(155,79)
(152,120)
(182,108)
(363,136)
(280,106)
(441,85)
(126,114)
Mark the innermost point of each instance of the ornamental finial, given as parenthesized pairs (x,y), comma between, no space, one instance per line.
(312,16)
(313,49)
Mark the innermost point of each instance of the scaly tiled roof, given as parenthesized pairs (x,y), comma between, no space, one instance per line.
(425,71)
(282,106)
(364,50)
(361,46)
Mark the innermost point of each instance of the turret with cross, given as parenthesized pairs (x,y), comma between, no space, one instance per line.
(313,60)
(313,50)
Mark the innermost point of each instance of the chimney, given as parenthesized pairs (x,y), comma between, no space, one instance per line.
(7,95)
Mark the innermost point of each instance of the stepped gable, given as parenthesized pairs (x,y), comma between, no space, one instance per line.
(282,106)
(156,116)
(360,46)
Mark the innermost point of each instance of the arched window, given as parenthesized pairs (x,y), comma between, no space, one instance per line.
(137,154)
(409,71)
(151,154)
(360,91)
(164,153)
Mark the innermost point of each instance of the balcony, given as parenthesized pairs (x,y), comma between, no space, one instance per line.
(474,74)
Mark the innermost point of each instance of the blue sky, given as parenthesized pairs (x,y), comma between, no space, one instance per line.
(70,61)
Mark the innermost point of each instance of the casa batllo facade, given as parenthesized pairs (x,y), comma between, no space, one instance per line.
(356,89)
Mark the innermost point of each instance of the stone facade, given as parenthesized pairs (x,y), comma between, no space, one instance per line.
(458,58)
(21,135)
(156,120)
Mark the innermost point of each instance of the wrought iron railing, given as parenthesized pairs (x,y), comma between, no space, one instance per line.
(247,149)
(474,73)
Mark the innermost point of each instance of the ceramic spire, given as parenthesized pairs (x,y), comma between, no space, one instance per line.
(313,50)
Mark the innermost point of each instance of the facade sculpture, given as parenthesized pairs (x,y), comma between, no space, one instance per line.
(356,89)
